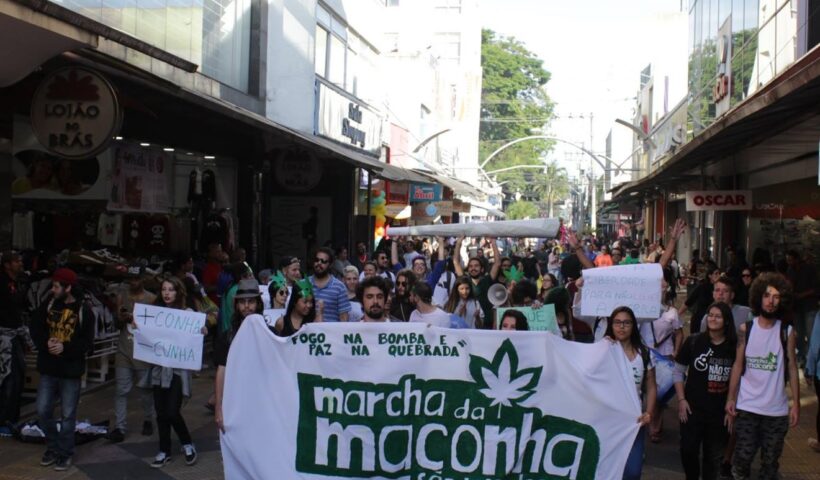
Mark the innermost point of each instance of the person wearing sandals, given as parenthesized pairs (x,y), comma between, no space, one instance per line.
(171,387)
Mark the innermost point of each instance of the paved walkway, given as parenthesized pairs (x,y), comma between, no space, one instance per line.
(130,459)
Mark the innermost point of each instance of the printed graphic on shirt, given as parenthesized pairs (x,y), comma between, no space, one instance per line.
(62,323)
(768,363)
(719,370)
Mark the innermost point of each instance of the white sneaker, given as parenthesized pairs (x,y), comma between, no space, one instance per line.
(814,445)
(160,460)
(190,454)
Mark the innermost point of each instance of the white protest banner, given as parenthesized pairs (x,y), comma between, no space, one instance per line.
(404,400)
(168,337)
(535,228)
(635,286)
(540,319)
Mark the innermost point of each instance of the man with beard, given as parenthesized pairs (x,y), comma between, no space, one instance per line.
(765,361)
(481,281)
(13,338)
(63,332)
(402,306)
(373,293)
(383,265)
(328,290)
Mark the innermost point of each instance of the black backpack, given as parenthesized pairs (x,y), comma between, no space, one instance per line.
(784,341)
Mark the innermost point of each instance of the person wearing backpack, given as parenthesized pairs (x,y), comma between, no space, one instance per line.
(706,359)
(622,327)
(63,332)
(765,362)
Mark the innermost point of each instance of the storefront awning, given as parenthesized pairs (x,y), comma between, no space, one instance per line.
(399,174)
(779,121)
(457,186)
(44,39)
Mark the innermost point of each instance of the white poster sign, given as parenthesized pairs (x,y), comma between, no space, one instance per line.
(404,400)
(168,337)
(140,179)
(712,200)
(271,315)
(635,286)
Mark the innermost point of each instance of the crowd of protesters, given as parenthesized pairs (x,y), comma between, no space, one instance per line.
(751,327)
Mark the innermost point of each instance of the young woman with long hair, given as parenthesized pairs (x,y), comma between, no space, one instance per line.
(464,303)
(171,386)
(623,329)
(706,359)
(300,311)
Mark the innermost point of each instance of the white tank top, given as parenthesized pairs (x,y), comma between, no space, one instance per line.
(763,386)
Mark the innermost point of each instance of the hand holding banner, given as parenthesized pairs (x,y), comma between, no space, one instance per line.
(635,286)
(168,337)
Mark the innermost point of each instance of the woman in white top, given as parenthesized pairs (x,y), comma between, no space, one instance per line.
(665,334)
(622,328)
(464,303)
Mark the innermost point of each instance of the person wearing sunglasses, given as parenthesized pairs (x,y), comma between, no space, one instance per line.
(329,290)
(742,293)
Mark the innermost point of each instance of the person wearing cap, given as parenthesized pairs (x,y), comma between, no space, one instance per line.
(247,301)
(63,332)
(13,337)
(131,372)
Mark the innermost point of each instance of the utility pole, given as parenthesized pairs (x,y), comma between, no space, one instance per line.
(593,210)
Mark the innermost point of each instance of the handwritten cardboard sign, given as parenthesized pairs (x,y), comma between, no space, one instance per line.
(168,337)
(539,319)
(635,286)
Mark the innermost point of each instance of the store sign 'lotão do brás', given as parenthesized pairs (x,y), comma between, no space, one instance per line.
(74,113)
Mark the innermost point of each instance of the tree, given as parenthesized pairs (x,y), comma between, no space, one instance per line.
(554,186)
(513,103)
(522,209)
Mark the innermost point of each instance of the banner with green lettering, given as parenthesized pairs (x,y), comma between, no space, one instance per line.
(404,400)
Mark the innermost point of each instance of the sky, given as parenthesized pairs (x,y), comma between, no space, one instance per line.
(595,51)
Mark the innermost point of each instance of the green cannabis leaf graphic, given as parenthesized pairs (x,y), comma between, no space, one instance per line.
(514,274)
(501,381)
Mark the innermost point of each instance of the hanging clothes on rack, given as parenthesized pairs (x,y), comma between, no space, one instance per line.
(22,234)
(109,229)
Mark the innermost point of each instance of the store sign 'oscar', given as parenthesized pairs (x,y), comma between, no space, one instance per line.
(74,113)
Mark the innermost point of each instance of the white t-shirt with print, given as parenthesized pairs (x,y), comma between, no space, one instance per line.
(665,327)
(436,318)
(637,369)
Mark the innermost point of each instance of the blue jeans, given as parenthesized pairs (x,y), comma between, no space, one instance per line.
(634,463)
(68,389)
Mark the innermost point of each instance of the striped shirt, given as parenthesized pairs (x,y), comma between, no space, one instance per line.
(334,296)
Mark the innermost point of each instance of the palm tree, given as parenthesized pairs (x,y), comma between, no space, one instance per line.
(554,185)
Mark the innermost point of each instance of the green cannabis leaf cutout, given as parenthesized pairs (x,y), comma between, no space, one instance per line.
(501,381)
(514,274)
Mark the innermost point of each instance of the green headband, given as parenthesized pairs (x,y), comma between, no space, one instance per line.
(278,280)
(305,288)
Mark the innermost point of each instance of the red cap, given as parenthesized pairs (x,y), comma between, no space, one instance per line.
(66,276)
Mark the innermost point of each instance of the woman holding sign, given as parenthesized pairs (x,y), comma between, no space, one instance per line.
(171,385)
(622,327)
